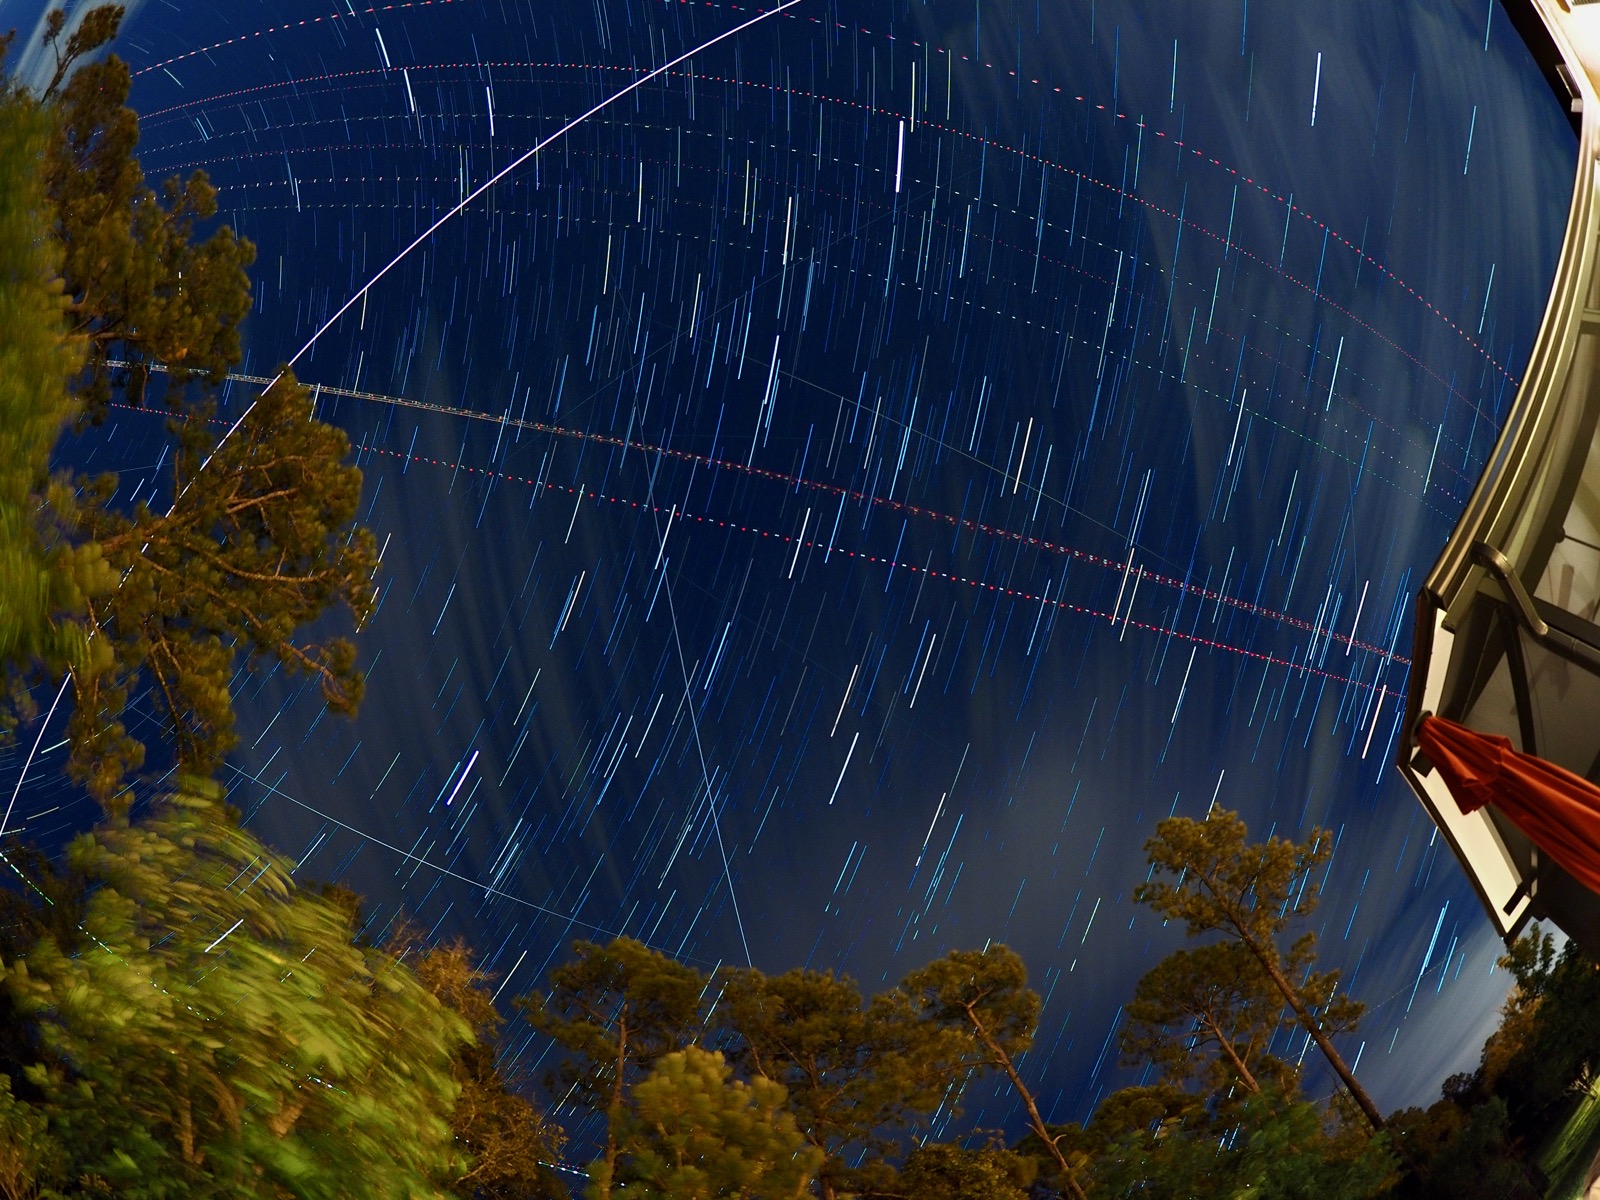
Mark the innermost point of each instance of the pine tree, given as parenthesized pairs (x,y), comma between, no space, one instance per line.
(1250,893)
(695,1133)
(259,542)
(140,288)
(616,1010)
(510,1145)
(983,996)
(856,1074)
(1204,1017)
(939,1171)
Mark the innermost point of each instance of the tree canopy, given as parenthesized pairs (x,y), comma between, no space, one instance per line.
(258,541)
(40,581)
(214,1028)
(696,1133)
(857,1075)
(1211,878)
(140,285)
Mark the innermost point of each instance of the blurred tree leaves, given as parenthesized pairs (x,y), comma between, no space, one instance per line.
(216,1031)
(41,581)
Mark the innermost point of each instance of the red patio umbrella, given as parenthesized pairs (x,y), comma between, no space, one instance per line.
(1559,811)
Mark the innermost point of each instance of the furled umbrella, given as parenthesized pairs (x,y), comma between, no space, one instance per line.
(1559,811)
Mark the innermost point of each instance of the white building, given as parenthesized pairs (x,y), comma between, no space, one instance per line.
(1507,639)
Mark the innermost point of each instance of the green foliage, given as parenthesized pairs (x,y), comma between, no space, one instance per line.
(1204,1017)
(37,581)
(29,1157)
(258,544)
(1156,1108)
(697,1133)
(1480,1162)
(936,1171)
(1551,1053)
(98,26)
(1250,893)
(1222,883)
(508,1143)
(216,1032)
(856,1075)
(1274,1149)
(139,284)
(1415,1135)
(616,1010)
(980,1000)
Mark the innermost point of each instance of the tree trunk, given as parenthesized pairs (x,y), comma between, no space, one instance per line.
(1034,1118)
(1314,1028)
(615,1112)
(1232,1055)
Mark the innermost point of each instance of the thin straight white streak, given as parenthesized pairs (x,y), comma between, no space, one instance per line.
(1316,88)
(1026,438)
(218,942)
(848,754)
(1354,625)
(900,157)
(507,979)
(464,773)
(1183,690)
(489,183)
(571,918)
(1132,596)
(527,154)
(931,824)
(1217,791)
(799,542)
(39,737)
(694,723)
(917,690)
(1376,709)
(1237,421)
(1126,571)
(845,700)
(671,516)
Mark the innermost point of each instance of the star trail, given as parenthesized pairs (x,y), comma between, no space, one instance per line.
(839,494)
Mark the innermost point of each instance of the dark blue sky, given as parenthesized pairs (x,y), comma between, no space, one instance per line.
(840,497)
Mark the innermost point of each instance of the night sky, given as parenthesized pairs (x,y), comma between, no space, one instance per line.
(837,499)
